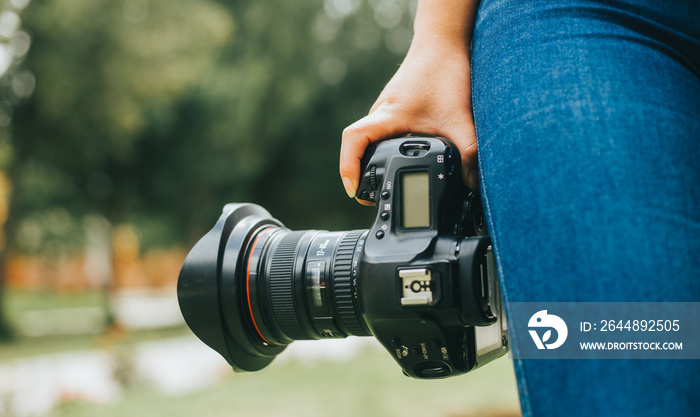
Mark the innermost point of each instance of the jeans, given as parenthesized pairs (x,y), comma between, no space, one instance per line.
(588,123)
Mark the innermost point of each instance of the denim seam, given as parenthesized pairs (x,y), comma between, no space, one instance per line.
(525,405)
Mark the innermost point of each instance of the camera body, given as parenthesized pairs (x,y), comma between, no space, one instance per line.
(422,279)
(429,289)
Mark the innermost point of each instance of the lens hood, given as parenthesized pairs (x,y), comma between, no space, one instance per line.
(210,290)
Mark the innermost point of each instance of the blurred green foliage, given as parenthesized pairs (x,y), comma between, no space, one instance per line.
(158,112)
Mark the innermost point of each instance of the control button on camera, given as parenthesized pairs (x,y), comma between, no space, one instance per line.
(384,215)
(414,149)
(385,195)
(379,234)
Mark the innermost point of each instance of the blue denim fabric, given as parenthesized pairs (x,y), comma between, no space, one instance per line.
(588,124)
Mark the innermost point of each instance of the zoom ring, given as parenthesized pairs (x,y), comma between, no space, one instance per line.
(343,291)
(281,283)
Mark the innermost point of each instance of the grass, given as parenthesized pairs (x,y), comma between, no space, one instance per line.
(32,346)
(369,385)
(19,302)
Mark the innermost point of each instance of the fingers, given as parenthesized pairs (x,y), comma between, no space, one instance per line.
(386,123)
(460,130)
(470,171)
(468,153)
(378,125)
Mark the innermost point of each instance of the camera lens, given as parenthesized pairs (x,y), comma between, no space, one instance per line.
(269,286)
(301,285)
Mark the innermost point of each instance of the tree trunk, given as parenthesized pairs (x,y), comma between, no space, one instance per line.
(5,329)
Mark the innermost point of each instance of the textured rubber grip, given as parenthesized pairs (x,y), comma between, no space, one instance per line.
(343,287)
(281,282)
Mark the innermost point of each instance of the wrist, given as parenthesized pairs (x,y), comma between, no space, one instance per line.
(445,22)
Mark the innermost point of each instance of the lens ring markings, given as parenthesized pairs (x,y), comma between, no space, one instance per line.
(344,285)
(281,285)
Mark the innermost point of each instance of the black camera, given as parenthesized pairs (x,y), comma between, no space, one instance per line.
(422,279)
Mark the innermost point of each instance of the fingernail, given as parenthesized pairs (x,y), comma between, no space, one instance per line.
(349,187)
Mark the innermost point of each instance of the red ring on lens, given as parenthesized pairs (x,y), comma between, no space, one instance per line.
(247,286)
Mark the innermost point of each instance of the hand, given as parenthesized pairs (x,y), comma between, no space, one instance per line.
(429,94)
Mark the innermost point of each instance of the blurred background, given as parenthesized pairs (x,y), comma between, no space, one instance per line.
(125,126)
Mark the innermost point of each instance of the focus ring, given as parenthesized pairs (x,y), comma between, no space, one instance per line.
(281,281)
(343,288)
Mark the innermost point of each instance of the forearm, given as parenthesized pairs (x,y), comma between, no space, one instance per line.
(445,21)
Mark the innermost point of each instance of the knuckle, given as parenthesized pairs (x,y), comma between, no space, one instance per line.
(350,131)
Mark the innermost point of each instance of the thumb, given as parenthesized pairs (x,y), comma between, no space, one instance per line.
(380,124)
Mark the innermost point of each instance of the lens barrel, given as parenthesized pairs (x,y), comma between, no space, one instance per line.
(304,285)
(250,286)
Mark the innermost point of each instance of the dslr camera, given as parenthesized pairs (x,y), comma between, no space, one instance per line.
(422,279)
